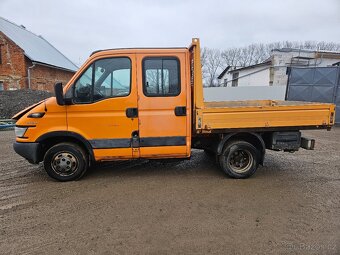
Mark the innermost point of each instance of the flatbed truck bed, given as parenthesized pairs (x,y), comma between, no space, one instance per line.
(224,116)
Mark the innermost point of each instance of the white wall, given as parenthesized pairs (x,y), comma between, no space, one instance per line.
(257,76)
(326,61)
(244,93)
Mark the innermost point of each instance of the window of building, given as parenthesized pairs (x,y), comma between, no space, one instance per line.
(271,76)
(225,82)
(0,54)
(105,78)
(161,77)
(1,86)
(235,79)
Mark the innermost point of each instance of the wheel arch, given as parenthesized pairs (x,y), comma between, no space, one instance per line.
(253,138)
(52,138)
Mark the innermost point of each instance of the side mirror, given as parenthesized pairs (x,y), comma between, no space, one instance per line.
(58,91)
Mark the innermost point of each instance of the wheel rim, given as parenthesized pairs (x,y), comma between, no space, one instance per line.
(240,161)
(64,164)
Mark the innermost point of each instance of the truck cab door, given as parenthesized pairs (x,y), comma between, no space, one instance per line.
(164,128)
(104,109)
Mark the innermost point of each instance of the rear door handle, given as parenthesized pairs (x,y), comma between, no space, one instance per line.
(181,111)
(132,112)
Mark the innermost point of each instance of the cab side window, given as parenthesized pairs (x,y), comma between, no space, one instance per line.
(161,76)
(105,78)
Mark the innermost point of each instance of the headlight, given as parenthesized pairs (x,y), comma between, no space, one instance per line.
(20,131)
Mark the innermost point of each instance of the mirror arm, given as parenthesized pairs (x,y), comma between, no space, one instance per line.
(68,101)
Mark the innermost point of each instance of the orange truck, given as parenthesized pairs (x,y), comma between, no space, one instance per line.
(125,104)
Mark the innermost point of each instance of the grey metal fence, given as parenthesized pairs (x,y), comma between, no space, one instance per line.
(6,124)
(315,84)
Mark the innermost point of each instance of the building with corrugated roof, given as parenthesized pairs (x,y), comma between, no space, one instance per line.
(29,61)
(273,71)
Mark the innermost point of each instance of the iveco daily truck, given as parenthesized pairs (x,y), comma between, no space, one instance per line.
(125,104)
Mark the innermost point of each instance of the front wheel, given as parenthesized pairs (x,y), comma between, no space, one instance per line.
(65,162)
(239,159)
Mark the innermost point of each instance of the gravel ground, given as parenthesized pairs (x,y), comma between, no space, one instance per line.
(290,206)
(13,101)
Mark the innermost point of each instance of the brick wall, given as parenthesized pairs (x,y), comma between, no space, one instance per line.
(44,77)
(13,71)
(14,65)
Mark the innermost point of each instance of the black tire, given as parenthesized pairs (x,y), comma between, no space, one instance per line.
(239,159)
(65,162)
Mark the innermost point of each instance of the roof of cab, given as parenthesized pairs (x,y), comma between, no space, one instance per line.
(138,50)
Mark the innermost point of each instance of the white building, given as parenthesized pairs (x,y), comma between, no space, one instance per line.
(273,71)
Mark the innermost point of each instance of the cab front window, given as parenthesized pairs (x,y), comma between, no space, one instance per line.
(105,78)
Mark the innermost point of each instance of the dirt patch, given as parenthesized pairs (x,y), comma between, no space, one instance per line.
(290,206)
(14,101)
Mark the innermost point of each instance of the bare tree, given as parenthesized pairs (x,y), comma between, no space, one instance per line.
(212,64)
(214,61)
(257,53)
(204,61)
(231,56)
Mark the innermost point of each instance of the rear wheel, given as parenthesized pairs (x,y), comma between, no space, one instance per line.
(65,162)
(239,159)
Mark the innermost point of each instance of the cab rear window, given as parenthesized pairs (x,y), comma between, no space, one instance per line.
(161,76)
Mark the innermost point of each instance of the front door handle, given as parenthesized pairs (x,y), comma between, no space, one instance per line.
(132,112)
(181,111)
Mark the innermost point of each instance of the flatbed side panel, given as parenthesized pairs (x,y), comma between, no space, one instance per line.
(267,117)
(261,103)
(282,108)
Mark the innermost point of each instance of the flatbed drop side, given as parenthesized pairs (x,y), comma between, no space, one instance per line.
(148,103)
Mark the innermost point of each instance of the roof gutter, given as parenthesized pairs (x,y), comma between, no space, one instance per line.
(29,74)
(55,67)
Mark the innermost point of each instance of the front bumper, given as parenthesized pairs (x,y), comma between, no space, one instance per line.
(29,151)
